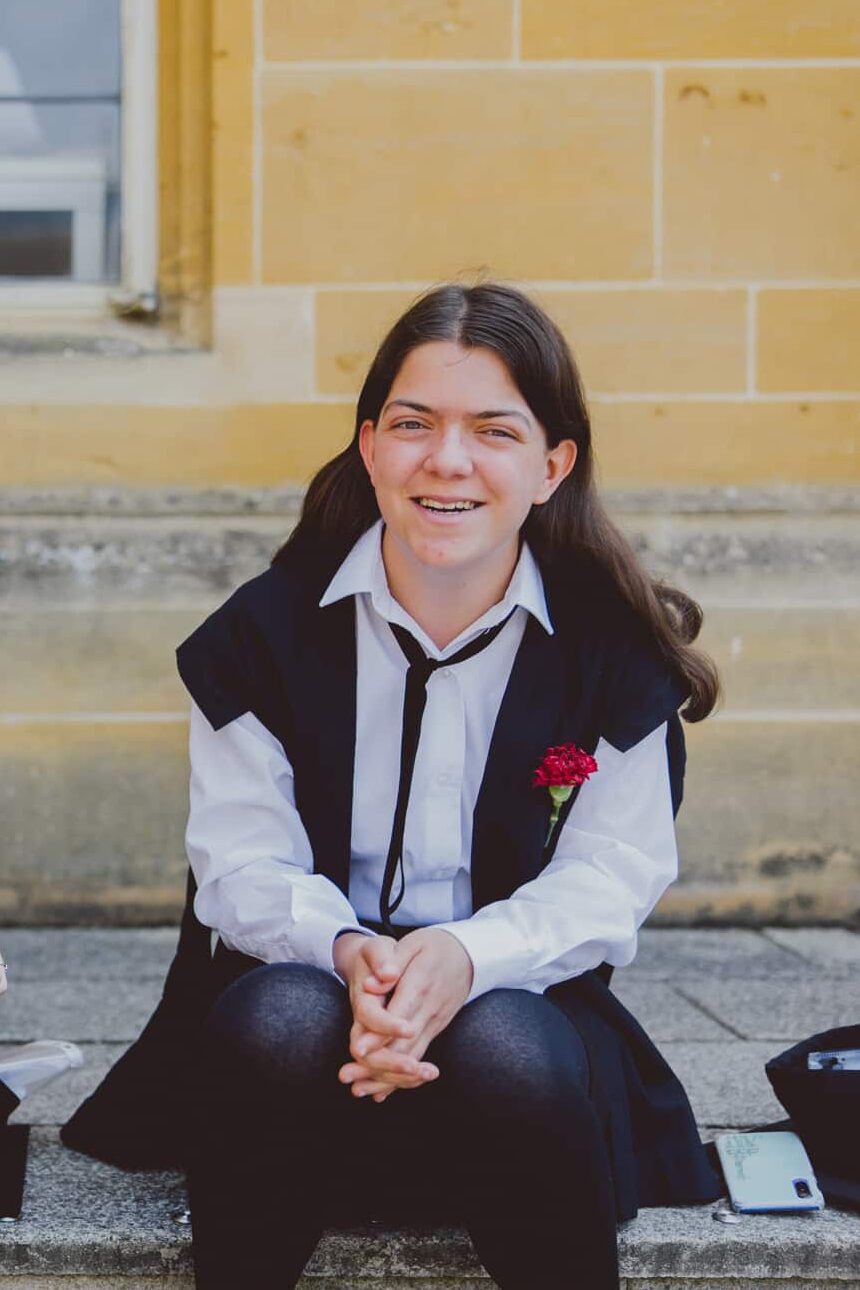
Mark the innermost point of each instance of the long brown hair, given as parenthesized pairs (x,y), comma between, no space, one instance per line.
(340,503)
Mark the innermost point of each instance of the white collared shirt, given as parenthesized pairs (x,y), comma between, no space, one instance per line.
(252,857)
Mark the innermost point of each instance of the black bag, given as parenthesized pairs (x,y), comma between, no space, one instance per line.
(824,1106)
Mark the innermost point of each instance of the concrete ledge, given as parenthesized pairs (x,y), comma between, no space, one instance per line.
(752,559)
(87,1225)
(83,1218)
(119,500)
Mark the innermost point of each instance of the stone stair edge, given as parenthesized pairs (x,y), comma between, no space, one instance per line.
(129,1231)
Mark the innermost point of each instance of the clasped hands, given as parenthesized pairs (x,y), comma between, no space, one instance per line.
(403,993)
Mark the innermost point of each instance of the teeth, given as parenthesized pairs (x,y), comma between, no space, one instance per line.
(430,505)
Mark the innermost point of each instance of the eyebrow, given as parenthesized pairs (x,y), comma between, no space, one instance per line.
(489,415)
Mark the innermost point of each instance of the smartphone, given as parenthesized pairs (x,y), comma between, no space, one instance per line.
(834,1059)
(768,1171)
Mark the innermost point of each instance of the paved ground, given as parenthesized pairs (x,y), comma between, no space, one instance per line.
(717,1003)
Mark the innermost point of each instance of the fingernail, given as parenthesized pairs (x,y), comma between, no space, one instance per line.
(361,1047)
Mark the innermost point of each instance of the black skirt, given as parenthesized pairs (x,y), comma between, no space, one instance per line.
(139,1116)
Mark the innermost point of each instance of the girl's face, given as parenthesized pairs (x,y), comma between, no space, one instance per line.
(457,460)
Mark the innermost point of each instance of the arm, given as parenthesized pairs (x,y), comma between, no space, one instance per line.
(250,853)
(615,857)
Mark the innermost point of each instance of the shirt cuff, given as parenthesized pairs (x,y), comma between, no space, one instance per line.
(498,961)
(365,931)
(312,938)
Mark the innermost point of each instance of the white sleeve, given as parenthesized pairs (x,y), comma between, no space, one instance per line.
(615,857)
(250,853)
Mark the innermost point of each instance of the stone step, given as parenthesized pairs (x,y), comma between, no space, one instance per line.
(723,558)
(120,658)
(95,810)
(84,1219)
(699,993)
(92,736)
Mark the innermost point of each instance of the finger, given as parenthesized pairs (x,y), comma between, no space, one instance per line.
(374,986)
(380,955)
(363,1049)
(369,1089)
(404,952)
(374,1016)
(372,1087)
(356,1073)
(383,1063)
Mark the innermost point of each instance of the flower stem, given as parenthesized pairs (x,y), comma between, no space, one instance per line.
(553,821)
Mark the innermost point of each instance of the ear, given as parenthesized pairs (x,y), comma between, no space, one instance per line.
(560,461)
(367,445)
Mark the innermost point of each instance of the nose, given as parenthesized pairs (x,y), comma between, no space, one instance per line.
(450,456)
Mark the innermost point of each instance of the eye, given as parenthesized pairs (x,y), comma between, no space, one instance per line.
(409,424)
(499,432)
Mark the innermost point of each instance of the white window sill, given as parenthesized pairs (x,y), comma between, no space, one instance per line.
(76,320)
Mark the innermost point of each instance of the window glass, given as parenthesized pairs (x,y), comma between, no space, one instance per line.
(60,82)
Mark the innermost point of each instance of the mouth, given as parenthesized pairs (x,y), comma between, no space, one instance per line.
(447,506)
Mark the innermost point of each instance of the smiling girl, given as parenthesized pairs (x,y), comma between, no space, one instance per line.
(412,1016)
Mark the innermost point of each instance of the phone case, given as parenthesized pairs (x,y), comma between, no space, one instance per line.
(768,1171)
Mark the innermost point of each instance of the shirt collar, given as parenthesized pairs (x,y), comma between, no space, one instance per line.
(363,571)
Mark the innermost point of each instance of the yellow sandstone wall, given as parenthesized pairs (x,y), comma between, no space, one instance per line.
(678,183)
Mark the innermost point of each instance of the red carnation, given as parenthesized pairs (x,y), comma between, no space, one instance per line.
(563,768)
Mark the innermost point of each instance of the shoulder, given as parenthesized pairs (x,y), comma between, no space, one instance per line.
(225,661)
(638,688)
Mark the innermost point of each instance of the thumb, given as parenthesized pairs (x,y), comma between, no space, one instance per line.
(381,959)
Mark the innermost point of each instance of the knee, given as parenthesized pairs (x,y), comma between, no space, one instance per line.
(513,1048)
(286,1022)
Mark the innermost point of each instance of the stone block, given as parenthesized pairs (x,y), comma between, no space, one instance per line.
(806,339)
(784,1012)
(232,141)
(264,338)
(87,1218)
(47,445)
(674,29)
(387,29)
(783,138)
(92,955)
(770,820)
(666,341)
(785,659)
(77,1010)
(834,949)
(676,954)
(98,1282)
(725,1080)
(418,175)
(94,816)
(685,1244)
(654,341)
(766,561)
(349,328)
(664,1012)
(738,1283)
(94,661)
(649,443)
(113,564)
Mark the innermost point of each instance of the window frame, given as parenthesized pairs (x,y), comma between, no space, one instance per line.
(137,288)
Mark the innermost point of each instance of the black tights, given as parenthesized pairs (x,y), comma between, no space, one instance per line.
(505,1141)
